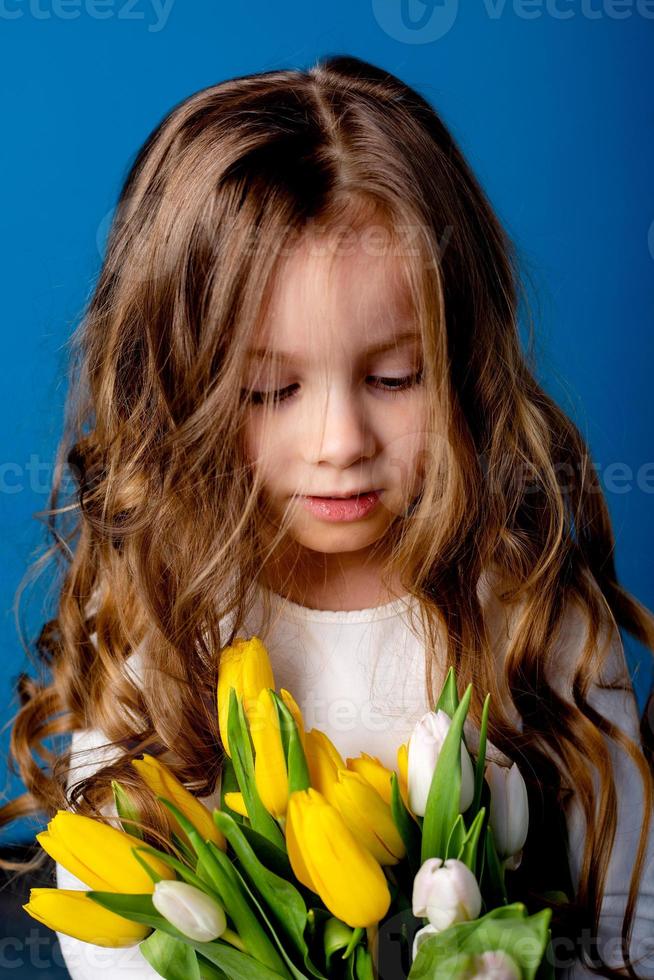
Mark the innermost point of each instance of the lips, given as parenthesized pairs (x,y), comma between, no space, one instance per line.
(336,509)
(342,496)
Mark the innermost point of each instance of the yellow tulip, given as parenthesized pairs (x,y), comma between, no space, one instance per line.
(324,762)
(328,859)
(374,772)
(245,666)
(236,802)
(403,772)
(270,773)
(368,816)
(76,915)
(158,777)
(100,855)
(290,703)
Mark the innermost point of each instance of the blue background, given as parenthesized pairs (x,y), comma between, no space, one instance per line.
(552,104)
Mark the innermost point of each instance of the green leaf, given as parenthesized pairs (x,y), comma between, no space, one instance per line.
(229,784)
(269,854)
(238,881)
(139,908)
(469,847)
(453,966)
(507,928)
(448,700)
(456,838)
(184,848)
(354,939)
(136,908)
(407,828)
(481,871)
(243,760)
(128,812)
(220,873)
(363,964)
(171,958)
(481,757)
(296,763)
(336,935)
(152,874)
(494,872)
(187,874)
(282,899)
(442,809)
(235,964)
(208,971)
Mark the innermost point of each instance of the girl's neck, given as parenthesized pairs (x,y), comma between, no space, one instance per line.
(336,582)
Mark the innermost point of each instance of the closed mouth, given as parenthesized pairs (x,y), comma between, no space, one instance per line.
(341,496)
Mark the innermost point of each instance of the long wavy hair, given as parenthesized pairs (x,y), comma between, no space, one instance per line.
(157,518)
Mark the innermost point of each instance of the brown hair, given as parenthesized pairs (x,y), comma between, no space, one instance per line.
(166,525)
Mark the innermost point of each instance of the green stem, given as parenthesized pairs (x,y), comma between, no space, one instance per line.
(234,939)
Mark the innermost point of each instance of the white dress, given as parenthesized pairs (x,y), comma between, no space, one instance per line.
(359,676)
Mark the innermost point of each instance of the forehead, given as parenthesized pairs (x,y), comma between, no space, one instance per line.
(349,301)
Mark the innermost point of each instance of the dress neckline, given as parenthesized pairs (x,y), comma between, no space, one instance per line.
(294,610)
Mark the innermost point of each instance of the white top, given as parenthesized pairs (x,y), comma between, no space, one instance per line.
(359,677)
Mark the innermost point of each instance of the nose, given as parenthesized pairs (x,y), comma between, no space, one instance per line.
(340,431)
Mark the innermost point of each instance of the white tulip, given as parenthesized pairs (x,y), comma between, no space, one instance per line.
(190,910)
(445,893)
(420,936)
(425,744)
(494,965)
(509,811)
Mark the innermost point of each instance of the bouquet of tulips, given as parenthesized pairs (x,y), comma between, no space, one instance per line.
(313,866)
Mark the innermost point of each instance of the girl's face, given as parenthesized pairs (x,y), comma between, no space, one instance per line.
(347,413)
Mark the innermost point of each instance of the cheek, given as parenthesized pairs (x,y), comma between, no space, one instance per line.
(405,442)
(404,422)
(265,449)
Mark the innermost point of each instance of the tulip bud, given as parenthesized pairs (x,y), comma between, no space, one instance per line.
(100,855)
(190,910)
(403,772)
(162,782)
(324,762)
(372,770)
(425,745)
(509,810)
(245,666)
(445,893)
(327,858)
(73,913)
(494,965)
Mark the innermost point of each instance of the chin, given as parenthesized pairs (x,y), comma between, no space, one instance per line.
(338,538)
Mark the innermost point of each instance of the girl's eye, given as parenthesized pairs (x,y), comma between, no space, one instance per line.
(391,386)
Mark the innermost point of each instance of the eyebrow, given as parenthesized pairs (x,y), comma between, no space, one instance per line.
(379,348)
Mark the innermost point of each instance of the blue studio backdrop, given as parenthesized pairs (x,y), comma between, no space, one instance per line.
(551,101)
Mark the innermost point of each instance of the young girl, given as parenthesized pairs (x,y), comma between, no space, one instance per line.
(299,408)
